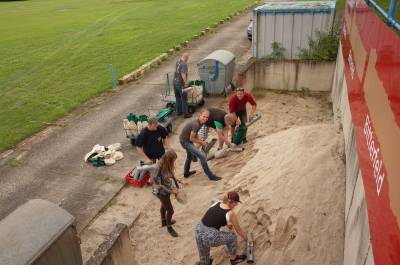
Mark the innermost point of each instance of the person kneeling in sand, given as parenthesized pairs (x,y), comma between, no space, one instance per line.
(166,184)
(208,234)
(222,122)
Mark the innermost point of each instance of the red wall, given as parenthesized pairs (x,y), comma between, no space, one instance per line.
(371,51)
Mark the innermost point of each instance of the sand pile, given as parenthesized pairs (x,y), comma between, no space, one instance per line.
(292,191)
(293,199)
(291,180)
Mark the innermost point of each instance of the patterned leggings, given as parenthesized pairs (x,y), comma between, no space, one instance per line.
(207,237)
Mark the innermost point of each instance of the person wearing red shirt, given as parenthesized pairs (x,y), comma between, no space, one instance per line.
(237,105)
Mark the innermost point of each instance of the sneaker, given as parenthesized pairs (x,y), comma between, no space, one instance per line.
(238,259)
(164,222)
(172,231)
(187,116)
(215,178)
(189,174)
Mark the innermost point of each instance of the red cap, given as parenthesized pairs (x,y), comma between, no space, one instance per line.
(233,196)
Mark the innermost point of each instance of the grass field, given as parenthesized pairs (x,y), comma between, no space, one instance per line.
(55,53)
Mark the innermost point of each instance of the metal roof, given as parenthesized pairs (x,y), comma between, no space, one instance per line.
(28,231)
(296,7)
(222,56)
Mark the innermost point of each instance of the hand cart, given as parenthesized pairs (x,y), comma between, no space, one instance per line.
(195,100)
(132,123)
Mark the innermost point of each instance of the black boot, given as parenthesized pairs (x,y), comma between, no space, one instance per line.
(189,174)
(164,222)
(172,231)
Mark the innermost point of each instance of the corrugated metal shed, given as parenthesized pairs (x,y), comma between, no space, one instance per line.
(290,24)
(216,70)
(39,232)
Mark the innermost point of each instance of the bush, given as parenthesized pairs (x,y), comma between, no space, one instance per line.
(323,47)
(278,52)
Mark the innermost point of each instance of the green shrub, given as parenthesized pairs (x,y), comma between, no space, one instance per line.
(278,52)
(323,47)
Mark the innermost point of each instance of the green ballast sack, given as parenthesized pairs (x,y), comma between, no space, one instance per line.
(240,135)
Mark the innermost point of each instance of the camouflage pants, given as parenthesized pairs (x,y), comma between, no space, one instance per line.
(207,237)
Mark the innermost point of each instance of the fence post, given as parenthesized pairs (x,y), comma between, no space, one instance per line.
(113,76)
(392,8)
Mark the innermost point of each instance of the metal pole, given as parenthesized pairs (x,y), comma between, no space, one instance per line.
(392,8)
(113,76)
(167,88)
(389,20)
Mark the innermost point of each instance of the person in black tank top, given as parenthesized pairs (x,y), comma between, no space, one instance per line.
(207,230)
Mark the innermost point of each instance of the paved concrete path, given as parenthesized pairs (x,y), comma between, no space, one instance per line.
(52,165)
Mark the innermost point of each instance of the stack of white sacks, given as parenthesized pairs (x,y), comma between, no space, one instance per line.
(194,94)
(111,154)
(132,128)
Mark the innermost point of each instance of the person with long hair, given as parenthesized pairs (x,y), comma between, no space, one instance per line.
(208,232)
(166,184)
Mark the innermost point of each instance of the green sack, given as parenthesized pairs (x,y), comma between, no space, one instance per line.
(163,113)
(198,83)
(97,162)
(240,134)
(136,118)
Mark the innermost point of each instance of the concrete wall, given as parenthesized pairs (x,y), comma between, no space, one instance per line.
(299,75)
(357,245)
(292,75)
(41,233)
(115,250)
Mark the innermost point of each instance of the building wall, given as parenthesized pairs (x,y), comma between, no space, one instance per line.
(357,245)
(115,250)
(291,25)
(291,75)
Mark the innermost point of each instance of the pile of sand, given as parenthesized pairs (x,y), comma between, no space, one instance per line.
(293,201)
(291,181)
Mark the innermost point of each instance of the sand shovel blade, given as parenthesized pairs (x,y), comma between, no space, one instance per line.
(255,118)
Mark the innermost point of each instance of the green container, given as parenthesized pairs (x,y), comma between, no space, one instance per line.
(240,135)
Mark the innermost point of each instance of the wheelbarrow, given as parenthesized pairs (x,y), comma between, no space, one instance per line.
(134,123)
(195,98)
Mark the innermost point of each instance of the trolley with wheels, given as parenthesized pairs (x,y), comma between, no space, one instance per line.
(195,93)
(134,123)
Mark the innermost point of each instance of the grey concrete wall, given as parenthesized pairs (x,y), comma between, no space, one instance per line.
(357,245)
(115,250)
(292,75)
(41,233)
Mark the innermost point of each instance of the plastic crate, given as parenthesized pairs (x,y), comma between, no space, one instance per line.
(139,183)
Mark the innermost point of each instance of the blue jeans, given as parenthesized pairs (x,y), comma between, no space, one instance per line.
(181,100)
(192,151)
